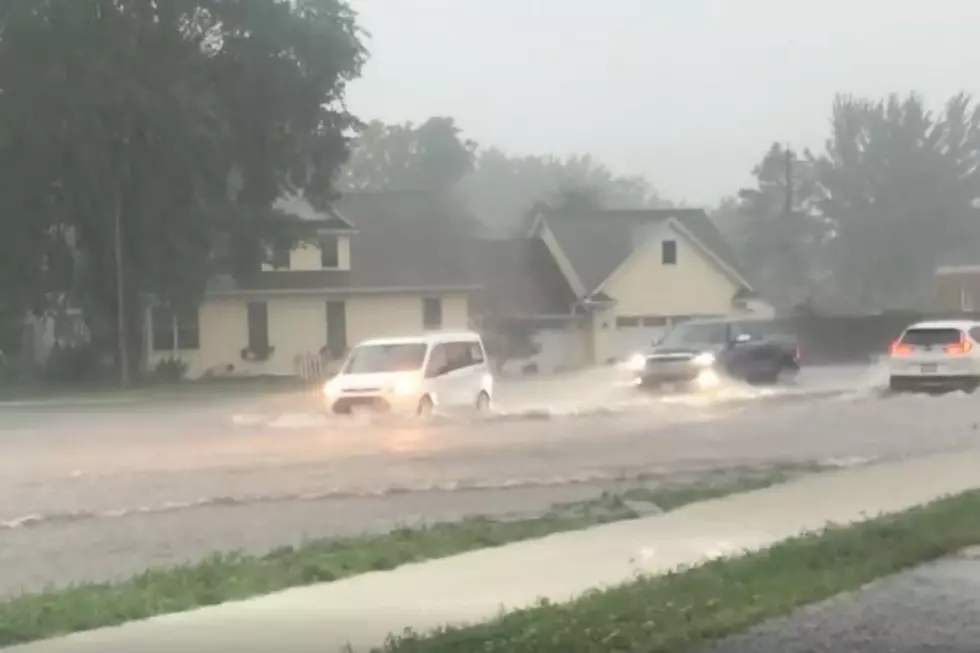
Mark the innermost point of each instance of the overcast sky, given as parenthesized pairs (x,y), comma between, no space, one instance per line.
(688,93)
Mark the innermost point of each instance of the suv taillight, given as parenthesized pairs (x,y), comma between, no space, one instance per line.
(899,348)
(962,347)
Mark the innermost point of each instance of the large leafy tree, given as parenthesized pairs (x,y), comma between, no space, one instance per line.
(498,189)
(502,189)
(864,222)
(899,184)
(431,156)
(170,126)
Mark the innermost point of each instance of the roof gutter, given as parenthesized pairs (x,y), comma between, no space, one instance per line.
(248,292)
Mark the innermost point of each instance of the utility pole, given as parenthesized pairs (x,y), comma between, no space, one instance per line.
(789,182)
(120,294)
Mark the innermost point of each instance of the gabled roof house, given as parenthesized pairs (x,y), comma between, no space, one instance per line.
(594,285)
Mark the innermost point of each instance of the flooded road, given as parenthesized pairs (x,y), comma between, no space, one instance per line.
(104,490)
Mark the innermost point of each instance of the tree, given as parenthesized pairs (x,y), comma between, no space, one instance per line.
(502,189)
(498,189)
(129,118)
(894,190)
(775,226)
(899,185)
(432,156)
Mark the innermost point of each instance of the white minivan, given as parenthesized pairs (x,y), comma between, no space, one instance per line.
(444,370)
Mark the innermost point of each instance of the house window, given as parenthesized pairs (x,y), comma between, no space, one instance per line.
(654,321)
(329,252)
(431,313)
(175,330)
(668,252)
(280,256)
(258,326)
(627,322)
(188,324)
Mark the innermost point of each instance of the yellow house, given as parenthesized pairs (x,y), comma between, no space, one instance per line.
(381,264)
(614,280)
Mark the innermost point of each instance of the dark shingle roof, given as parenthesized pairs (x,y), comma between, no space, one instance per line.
(296,206)
(597,243)
(403,240)
(522,279)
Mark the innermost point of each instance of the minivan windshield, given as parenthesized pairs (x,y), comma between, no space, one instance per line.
(704,333)
(375,359)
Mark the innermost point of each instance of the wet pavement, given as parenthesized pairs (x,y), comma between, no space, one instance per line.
(357,613)
(930,609)
(99,491)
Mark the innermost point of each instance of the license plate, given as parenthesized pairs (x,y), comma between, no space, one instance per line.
(669,387)
(929,368)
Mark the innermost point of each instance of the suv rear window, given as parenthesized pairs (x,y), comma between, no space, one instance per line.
(931,337)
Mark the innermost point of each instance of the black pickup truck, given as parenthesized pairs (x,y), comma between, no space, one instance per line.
(701,353)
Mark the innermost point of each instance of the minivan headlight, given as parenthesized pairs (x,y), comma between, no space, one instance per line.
(331,387)
(405,386)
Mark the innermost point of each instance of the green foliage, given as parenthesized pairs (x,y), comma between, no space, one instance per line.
(74,364)
(170,370)
(431,156)
(776,226)
(498,188)
(899,184)
(503,189)
(895,190)
(182,120)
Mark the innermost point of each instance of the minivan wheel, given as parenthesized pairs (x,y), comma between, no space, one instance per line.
(483,402)
(425,407)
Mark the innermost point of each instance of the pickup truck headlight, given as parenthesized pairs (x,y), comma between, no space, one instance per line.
(636,363)
(331,387)
(707,359)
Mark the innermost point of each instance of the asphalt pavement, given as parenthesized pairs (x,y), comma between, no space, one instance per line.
(932,608)
(105,490)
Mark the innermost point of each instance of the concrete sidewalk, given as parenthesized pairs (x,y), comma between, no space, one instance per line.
(362,610)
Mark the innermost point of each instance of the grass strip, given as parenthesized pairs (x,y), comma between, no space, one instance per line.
(693,607)
(234,576)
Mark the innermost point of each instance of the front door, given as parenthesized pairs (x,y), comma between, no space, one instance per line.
(336,329)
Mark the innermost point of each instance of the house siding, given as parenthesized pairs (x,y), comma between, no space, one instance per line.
(644,286)
(298,329)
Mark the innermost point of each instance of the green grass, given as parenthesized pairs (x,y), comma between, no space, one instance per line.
(228,577)
(688,609)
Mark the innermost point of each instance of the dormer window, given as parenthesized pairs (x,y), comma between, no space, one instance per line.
(329,252)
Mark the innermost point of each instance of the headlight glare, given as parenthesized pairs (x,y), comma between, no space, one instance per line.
(707,359)
(405,386)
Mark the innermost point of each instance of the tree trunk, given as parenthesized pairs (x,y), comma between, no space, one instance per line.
(122,336)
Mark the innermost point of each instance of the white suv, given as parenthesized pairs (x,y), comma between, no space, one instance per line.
(941,355)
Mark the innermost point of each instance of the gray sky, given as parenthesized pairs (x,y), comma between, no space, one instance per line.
(689,93)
